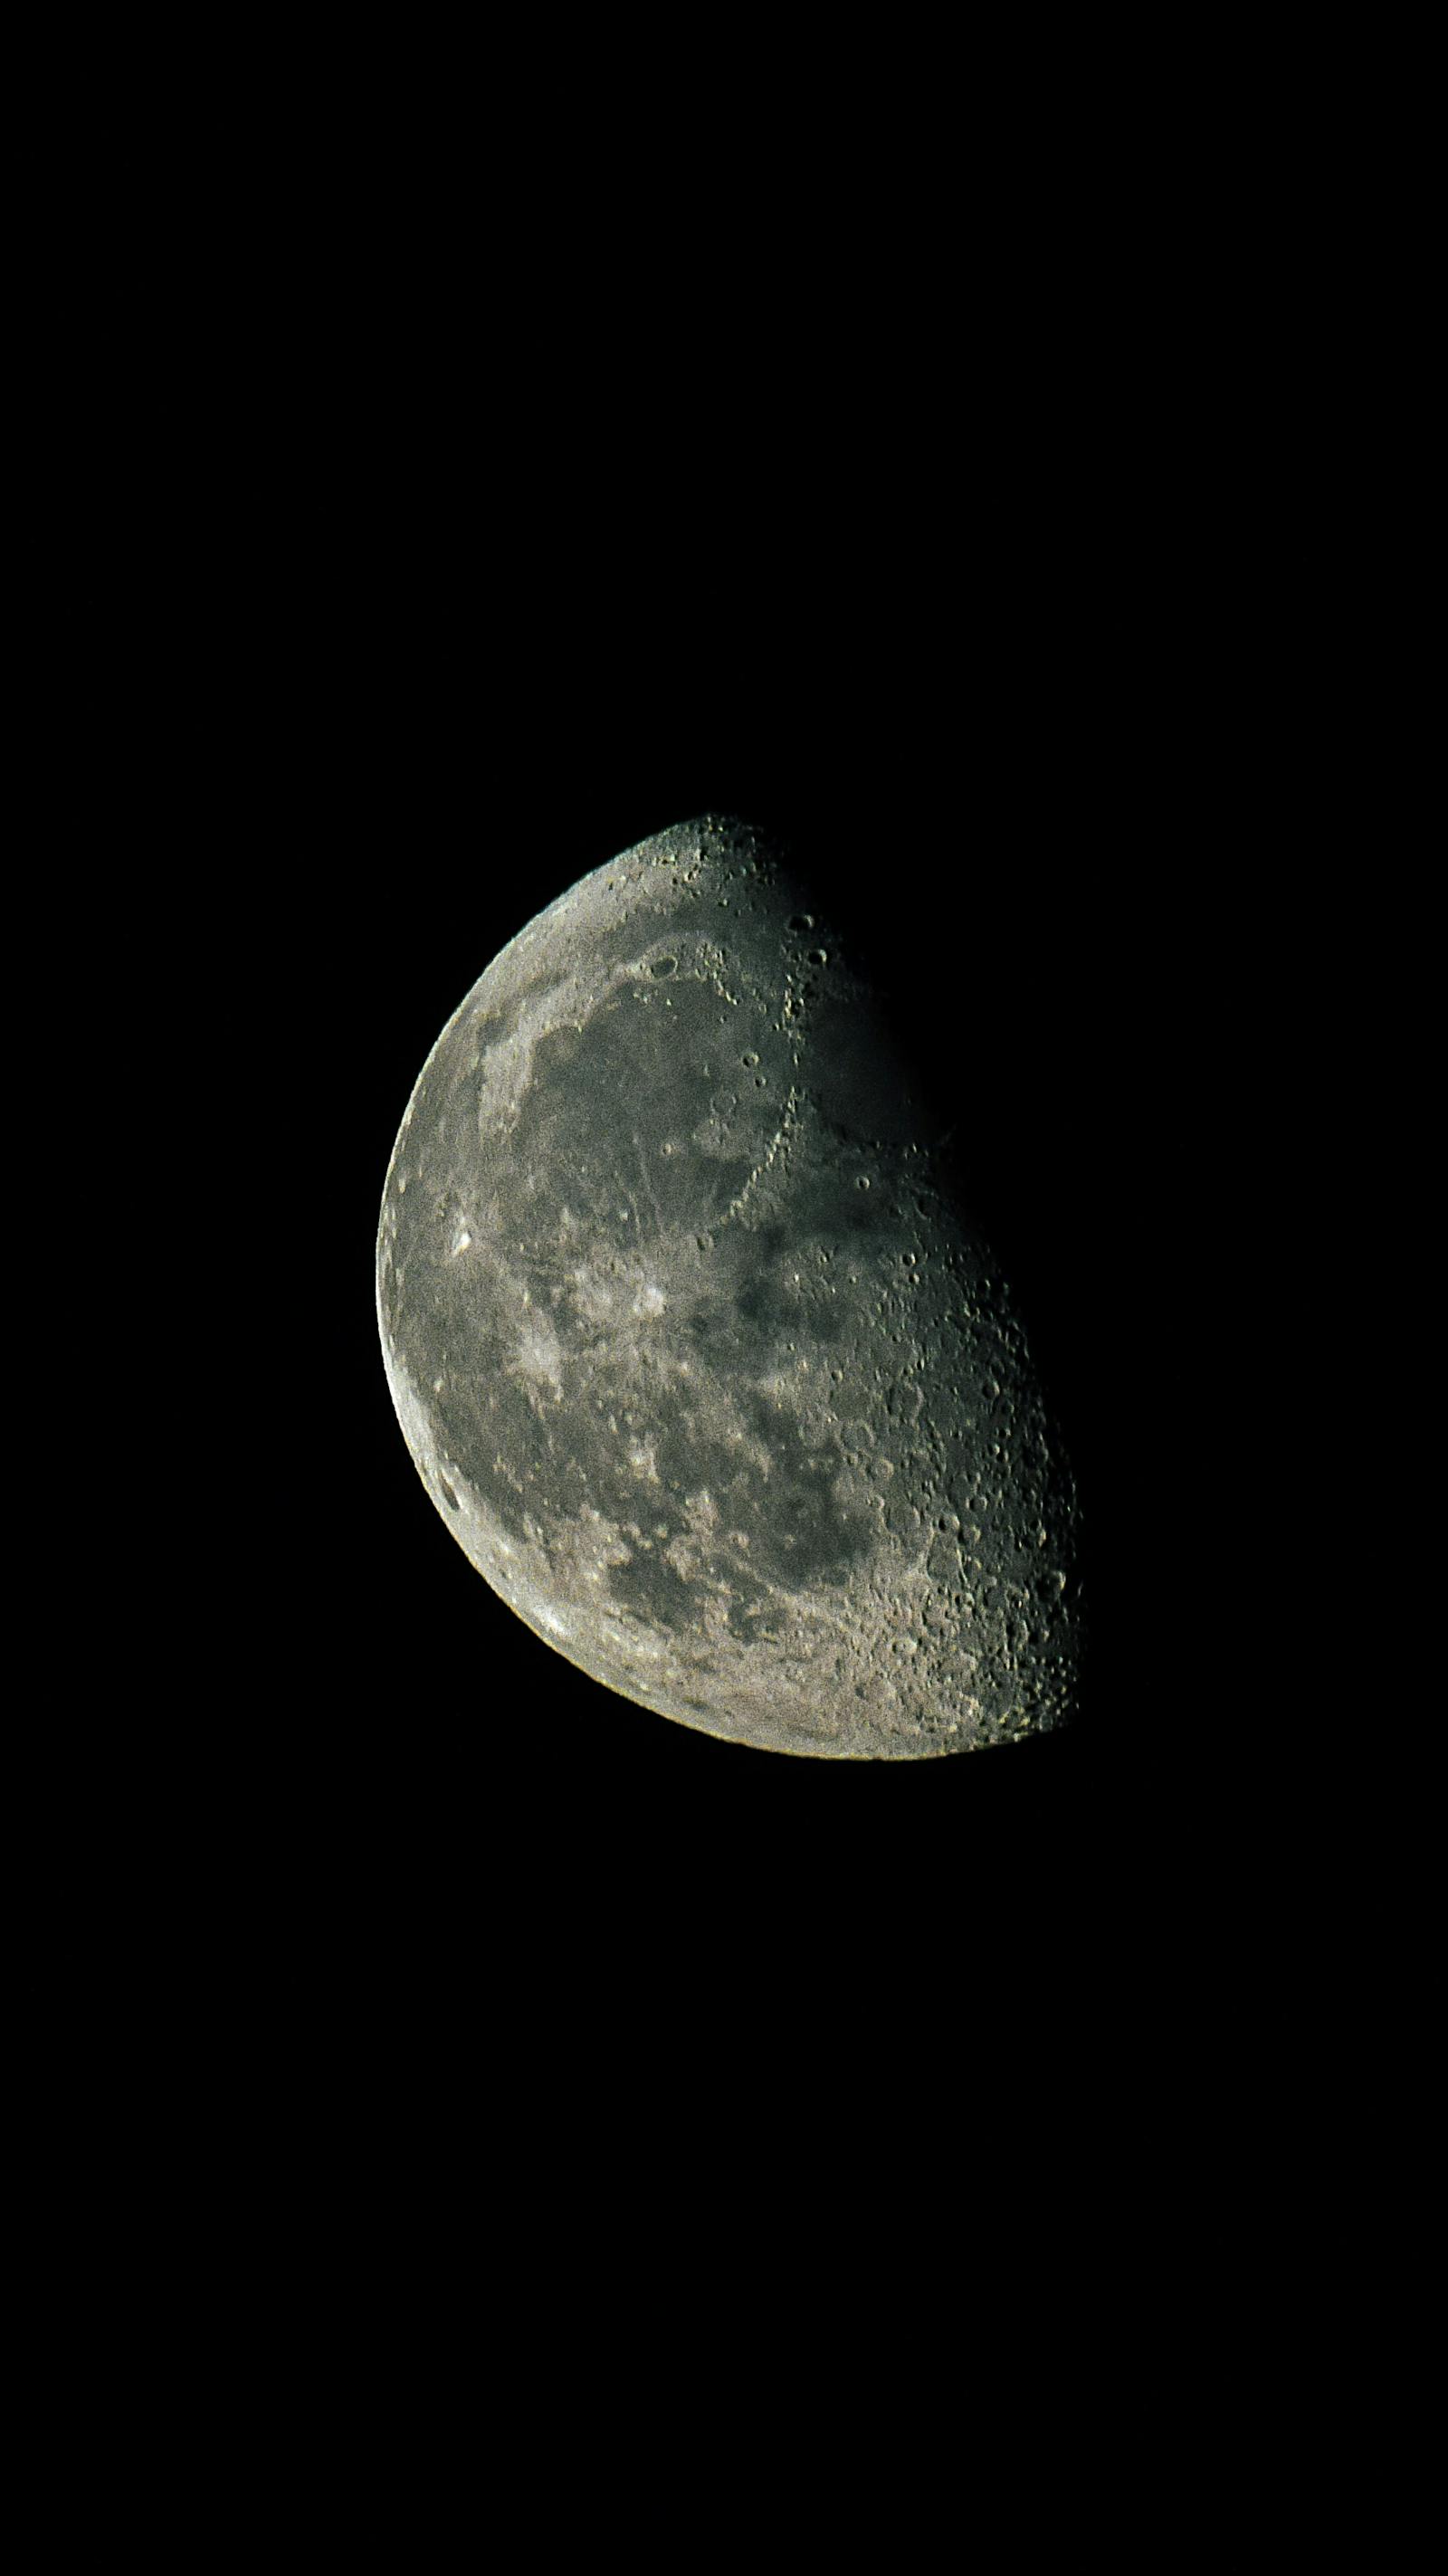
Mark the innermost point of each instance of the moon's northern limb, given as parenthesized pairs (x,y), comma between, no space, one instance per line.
(704,1370)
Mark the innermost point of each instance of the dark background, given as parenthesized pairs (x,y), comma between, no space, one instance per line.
(418,548)
(413,586)
(425,508)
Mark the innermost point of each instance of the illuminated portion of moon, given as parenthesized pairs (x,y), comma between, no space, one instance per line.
(696,1354)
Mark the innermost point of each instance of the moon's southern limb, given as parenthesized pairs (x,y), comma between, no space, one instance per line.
(694,1350)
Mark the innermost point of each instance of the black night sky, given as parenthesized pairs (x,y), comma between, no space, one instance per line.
(454,615)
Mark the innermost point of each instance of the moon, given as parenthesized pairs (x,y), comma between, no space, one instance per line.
(694,1344)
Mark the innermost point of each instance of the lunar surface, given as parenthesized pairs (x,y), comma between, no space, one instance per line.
(693,1344)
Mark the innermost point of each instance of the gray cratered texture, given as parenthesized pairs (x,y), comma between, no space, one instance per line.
(699,1361)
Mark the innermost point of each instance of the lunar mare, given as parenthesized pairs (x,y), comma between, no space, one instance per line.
(694,1347)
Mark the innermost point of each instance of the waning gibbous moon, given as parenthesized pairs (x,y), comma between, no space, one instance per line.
(694,1346)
